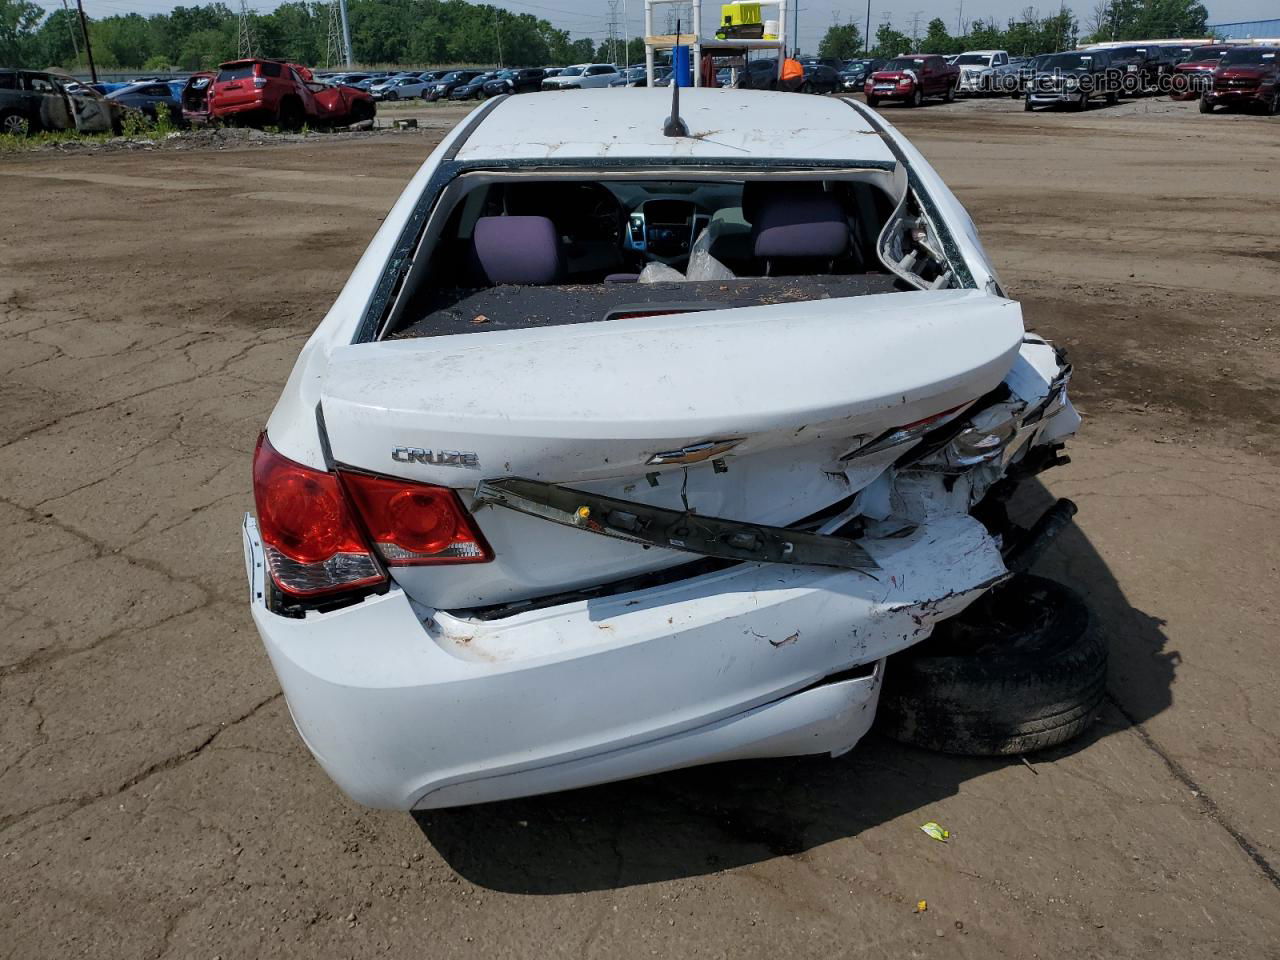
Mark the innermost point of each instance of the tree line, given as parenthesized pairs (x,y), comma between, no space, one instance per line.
(422,32)
(1030,33)
(429,32)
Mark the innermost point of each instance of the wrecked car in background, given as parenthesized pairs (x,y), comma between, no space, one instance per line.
(32,101)
(621,452)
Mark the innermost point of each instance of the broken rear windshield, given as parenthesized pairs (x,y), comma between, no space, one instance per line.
(241,71)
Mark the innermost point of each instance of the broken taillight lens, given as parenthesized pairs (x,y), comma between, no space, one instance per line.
(415,524)
(311,540)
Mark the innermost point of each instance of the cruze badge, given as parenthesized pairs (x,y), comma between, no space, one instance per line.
(438,458)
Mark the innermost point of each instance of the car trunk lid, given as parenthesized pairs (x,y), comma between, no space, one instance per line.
(742,414)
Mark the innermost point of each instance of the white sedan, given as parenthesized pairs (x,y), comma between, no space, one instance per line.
(626,450)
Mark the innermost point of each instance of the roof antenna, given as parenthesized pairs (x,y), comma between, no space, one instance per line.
(674,126)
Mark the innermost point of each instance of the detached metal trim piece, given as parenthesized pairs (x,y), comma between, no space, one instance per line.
(673,529)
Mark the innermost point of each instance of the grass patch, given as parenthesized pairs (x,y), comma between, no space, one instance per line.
(136,126)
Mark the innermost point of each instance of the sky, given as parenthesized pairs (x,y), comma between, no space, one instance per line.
(591,17)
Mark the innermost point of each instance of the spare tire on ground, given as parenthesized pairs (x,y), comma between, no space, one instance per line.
(1019,670)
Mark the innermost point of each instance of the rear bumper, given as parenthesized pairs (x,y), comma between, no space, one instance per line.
(411,708)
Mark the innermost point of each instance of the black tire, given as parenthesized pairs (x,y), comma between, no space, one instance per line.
(392,95)
(917,98)
(1026,104)
(950,95)
(361,111)
(1020,670)
(1113,99)
(291,116)
(1205,106)
(1082,104)
(873,102)
(14,124)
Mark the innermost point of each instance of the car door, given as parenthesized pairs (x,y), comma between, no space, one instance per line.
(48,103)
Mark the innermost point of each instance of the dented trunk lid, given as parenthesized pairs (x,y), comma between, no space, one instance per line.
(742,414)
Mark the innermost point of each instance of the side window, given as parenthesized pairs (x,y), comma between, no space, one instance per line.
(8,81)
(157,90)
(39,83)
(270,69)
(1001,59)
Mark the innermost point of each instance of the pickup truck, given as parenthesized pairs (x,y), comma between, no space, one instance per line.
(911,78)
(985,72)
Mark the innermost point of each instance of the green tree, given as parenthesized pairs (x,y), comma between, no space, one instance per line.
(937,40)
(19,22)
(843,41)
(891,43)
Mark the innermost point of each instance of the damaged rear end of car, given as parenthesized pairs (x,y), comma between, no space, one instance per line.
(618,457)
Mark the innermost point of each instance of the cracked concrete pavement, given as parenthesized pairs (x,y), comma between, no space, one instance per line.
(155,801)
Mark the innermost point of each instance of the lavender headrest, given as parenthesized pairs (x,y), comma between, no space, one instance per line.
(795,225)
(517,250)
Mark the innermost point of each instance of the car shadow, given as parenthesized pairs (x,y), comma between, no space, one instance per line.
(699,821)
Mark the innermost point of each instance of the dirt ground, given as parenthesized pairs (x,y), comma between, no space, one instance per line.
(156,802)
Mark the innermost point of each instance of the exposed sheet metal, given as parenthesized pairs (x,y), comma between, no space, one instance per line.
(672,529)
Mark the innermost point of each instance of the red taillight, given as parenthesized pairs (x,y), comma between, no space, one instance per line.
(311,540)
(413,524)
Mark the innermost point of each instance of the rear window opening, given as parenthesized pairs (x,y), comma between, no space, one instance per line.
(235,71)
(510,252)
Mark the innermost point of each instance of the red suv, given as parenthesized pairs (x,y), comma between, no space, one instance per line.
(286,94)
(912,77)
(1246,77)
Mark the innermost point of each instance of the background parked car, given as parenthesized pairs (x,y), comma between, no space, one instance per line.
(912,78)
(473,89)
(151,99)
(1140,64)
(761,74)
(406,87)
(32,100)
(854,75)
(631,77)
(516,80)
(441,89)
(981,71)
(1194,74)
(1247,77)
(581,76)
(1071,79)
(819,78)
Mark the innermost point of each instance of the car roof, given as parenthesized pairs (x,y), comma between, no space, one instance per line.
(724,124)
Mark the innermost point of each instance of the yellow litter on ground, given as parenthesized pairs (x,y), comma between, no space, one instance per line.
(937,832)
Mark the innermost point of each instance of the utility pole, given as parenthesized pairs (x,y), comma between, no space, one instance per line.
(960,20)
(795,33)
(72,30)
(915,28)
(88,50)
(866,41)
(497,29)
(626,41)
(346,32)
